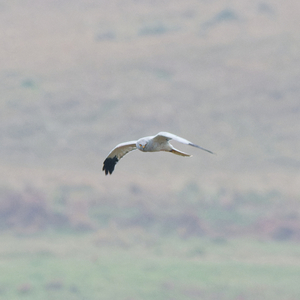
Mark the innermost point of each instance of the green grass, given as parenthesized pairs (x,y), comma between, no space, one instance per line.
(99,75)
(76,267)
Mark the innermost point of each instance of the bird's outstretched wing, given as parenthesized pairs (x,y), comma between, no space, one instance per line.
(169,136)
(116,154)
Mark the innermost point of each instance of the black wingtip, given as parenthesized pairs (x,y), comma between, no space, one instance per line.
(109,165)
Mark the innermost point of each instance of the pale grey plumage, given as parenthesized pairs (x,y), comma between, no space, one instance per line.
(159,142)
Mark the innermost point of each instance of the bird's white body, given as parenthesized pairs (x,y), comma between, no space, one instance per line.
(149,144)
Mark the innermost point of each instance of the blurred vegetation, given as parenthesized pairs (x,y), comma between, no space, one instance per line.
(191,213)
(126,264)
(78,77)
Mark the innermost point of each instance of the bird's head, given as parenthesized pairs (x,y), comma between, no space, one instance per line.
(141,144)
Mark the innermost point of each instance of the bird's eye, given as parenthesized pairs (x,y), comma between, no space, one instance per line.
(140,145)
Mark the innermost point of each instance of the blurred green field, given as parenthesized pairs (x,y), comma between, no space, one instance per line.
(68,266)
(77,78)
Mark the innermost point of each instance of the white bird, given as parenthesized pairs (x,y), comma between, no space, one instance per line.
(159,142)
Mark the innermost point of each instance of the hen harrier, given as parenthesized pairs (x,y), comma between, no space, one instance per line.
(159,142)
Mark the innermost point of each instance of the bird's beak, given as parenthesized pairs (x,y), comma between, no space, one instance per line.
(144,146)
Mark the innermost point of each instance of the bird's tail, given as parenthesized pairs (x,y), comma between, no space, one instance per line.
(177,152)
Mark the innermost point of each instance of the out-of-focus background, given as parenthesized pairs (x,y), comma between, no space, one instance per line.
(78,77)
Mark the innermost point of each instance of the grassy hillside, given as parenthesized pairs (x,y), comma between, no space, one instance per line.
(78,77)
(61,267)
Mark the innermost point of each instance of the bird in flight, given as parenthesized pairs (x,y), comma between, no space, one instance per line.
(159,142)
